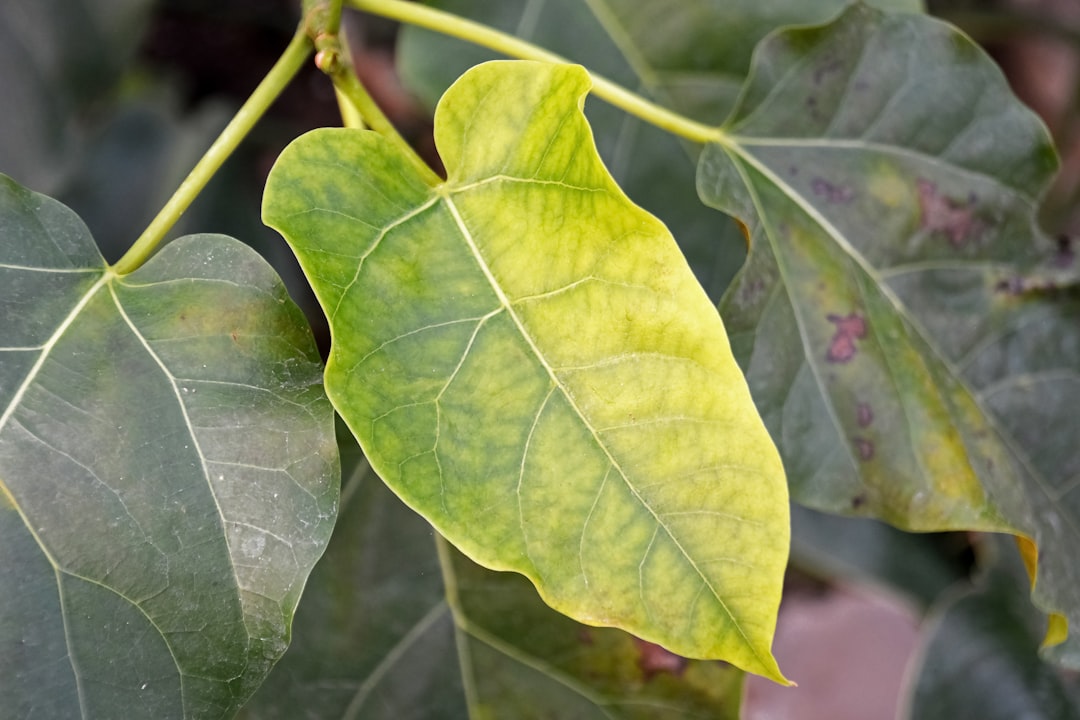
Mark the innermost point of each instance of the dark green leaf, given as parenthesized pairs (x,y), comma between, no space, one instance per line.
(979,660)
(1027,369)
(168,474)
(374,637)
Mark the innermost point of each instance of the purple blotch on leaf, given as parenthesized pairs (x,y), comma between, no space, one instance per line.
(830,192)
(942,214)
(864,449)
(653,660)
(849,328)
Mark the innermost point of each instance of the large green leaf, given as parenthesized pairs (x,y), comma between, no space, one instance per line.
(168,474)
(380,636)
(891,181)
(692,58)
(527,360)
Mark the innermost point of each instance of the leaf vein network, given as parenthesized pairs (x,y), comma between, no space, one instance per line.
(414,212)
(434,326)
(505,302)
(585,525)
(182,406)
(575,285)
(504,178)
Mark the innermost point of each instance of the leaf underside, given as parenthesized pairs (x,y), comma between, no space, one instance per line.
(527,360)
(891,180)
(168,472)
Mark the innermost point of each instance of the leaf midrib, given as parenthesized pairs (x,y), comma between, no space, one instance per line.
(107,276)
(48,345)
(446,195)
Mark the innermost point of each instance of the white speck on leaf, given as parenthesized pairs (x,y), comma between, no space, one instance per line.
(253,546)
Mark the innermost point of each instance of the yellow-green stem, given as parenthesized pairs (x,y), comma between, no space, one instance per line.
(264,95)
(448,24)
(321,17)
(346,83)
(350,116)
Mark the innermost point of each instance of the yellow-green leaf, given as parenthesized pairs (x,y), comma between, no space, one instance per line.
(528,361)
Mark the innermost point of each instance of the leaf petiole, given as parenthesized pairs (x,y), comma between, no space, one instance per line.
(348,86)
(290,62)
(478,34)
(358,108)
(350,116)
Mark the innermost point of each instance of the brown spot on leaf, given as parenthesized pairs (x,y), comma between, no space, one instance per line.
(235,334)
(848,329)
(584,636)
(830,192)
(858,501)
(653,660)
(942,214)
(864,414)
(864,449)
